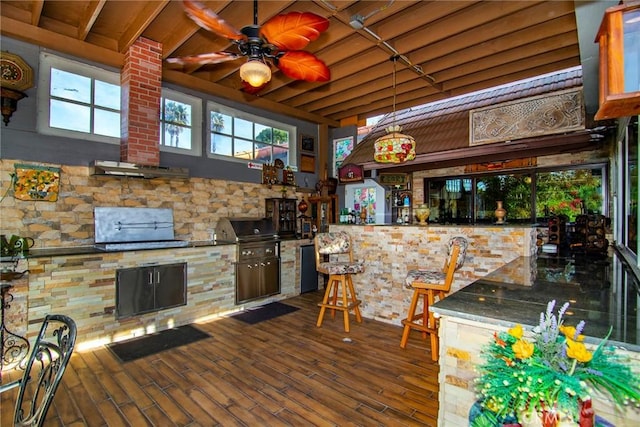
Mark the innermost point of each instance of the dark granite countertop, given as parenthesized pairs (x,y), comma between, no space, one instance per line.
(88,250)
(520,291)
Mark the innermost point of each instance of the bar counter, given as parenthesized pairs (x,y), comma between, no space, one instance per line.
(599,289)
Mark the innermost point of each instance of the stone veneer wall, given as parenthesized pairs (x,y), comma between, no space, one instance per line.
(197,204)
(83,287)
(461,342)
(390,251)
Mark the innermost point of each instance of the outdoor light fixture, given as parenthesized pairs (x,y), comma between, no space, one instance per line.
(255,72)
(394,147)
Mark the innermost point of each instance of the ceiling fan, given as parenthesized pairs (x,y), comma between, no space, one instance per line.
(280,40)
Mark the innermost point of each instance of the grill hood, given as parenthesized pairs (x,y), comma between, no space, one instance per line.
(106,167)
(244,229)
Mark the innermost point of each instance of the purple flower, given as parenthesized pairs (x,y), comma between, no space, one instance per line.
(579,328)
(594,372)
(562,310)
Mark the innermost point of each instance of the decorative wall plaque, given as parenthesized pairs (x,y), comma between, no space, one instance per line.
(350,173)
(547,114)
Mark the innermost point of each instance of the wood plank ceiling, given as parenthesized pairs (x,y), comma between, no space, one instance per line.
(460,46)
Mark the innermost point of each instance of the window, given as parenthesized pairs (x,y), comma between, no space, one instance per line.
(527,196)
(78,100)
(180,119)
(239,135)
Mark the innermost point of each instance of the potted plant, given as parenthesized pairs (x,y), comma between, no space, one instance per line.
(547,377)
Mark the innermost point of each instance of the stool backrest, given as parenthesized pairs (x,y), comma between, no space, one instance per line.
(456,251)
(332,243)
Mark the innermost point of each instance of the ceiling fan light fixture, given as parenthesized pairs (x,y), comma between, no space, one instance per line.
(255,72)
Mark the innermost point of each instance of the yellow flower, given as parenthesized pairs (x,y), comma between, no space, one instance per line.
(516,331)
(570,332)
(577,350)
(522,349)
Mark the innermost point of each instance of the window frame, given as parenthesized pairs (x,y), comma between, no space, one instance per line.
(533,173)
(196,122)
(49,61)
(259,120)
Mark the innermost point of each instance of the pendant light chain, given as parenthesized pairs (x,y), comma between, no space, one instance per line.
(394,147)
(394,58)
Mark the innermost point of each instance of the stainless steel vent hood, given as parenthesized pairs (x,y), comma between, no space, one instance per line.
(106,167)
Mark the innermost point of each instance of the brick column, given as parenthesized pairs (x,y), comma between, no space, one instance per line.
(141,90)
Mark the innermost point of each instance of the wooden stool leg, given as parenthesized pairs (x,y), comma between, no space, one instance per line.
(355,302)
(345,303)
(323,307)
(334,298)
(425,315)
(434,328)
(409,320)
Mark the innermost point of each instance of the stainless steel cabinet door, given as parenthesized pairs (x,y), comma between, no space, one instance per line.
(270,276)
(135,291)
(170,281)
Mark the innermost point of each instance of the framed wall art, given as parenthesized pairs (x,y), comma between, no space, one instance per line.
(342,147)
(36,183)
(307,163)
(307,144)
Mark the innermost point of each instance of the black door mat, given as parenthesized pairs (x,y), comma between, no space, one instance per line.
(136,348)
(266,312)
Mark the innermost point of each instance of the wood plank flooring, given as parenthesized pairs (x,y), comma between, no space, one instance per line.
(280,372)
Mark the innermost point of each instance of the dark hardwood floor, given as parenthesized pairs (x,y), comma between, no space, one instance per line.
(283,371)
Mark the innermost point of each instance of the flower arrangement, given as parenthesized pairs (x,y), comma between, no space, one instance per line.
(553,372)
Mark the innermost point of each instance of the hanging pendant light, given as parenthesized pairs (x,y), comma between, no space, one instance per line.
(394,147)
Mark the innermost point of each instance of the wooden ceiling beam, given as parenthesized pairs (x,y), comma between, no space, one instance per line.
(141,21)
(36,11)
(49,39)
(89,16)
(182,27)
(440,56)
(406,42)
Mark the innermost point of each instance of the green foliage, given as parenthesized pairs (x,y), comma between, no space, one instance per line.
(569,192)
(553,370)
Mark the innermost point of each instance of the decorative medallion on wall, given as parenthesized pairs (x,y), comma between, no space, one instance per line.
(547,114)
(15,77)
(36,183)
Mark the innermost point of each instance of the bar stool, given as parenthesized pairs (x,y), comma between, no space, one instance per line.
(430,285)
(339,293)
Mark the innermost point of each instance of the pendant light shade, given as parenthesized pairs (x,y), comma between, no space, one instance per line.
(394,147)
(255,72)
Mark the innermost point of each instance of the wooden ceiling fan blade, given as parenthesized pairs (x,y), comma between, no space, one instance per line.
(294,30)
(301,65)
(204,58)
(209,20)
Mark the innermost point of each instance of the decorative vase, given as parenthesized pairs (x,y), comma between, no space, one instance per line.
(422,214)
(500,213)
(303,206)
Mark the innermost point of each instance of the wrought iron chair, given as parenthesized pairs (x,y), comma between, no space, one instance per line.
(43,371)
(339,267)
(430,285)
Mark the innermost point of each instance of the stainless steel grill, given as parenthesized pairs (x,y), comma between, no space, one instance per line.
(119,229)
(258,266)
